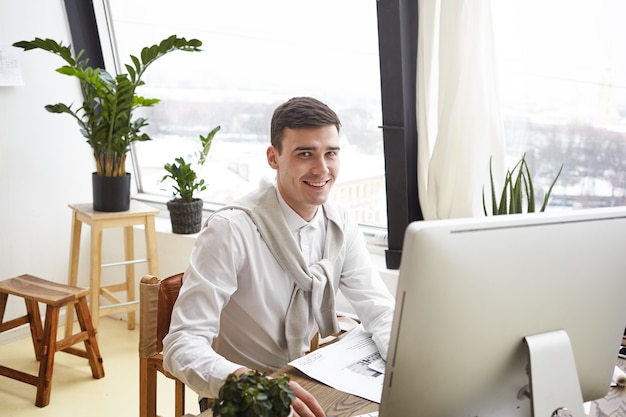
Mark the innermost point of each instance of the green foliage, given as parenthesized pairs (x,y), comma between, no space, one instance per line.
(185,177)
(517,184)
(253,394)
(105,117)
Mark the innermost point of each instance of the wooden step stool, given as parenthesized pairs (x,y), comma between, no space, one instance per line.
(55,295)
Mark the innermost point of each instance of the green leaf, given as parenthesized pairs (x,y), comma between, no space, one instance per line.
(517,188)
(105,117)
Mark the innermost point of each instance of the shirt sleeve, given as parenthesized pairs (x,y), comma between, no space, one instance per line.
(364,288)
(208,283)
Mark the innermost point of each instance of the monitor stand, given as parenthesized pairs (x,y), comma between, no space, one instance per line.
(554,386)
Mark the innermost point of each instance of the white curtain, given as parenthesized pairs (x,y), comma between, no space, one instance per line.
(458,108)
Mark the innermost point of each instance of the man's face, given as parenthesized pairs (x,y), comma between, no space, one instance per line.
(307,167)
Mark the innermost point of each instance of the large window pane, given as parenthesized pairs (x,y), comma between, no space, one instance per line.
(563,86)
(257,55)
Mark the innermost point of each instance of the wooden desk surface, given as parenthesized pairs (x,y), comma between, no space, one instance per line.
(334,402)
(341,404)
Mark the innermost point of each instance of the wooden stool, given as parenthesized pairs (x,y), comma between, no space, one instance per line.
(138,214)
(36,290)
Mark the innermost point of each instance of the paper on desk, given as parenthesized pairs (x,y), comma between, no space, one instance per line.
(345,365)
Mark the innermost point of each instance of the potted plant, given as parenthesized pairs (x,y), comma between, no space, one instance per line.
(185,209)
(253,394)
(516,186)
(105,116)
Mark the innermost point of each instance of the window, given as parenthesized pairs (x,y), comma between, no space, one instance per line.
(257,55)
(563,89)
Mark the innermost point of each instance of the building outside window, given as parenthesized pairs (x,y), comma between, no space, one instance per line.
(562,73)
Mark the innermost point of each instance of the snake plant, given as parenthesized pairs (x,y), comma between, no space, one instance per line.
(518,187)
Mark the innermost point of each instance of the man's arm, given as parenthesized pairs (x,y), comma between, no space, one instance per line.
(208,283)
(363,287)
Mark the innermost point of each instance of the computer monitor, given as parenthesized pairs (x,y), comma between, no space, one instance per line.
(472,292)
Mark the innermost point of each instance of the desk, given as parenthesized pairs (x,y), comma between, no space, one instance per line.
(334,402)
(137,214)
(341,404)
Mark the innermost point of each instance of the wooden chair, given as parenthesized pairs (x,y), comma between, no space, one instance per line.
(156,300)
(55,296)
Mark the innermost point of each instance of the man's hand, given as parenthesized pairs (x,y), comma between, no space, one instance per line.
(305,404)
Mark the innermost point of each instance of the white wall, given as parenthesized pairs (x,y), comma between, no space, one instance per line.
(45,163)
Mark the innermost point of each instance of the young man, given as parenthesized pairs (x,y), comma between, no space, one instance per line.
(264,271)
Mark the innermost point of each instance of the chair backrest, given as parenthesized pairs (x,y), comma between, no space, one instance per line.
(168,293)
(156,300)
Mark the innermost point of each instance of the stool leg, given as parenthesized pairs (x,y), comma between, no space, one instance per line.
(73,267)
(36,331)
(91,343)
(151,246)
(46,363)
(129,251)
(95,265)
(3,305)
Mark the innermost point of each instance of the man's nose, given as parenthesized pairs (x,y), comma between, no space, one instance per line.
(320,166)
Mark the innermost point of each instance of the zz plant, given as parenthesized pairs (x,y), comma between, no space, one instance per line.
(518,186)
(105,116)
(185,177)
(253,394)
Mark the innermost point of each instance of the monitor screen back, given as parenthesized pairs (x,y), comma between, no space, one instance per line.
(470,290)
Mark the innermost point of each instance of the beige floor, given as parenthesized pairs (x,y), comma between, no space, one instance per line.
(74,392)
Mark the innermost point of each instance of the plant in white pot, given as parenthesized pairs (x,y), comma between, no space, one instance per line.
(253,394)
(186,209)
(105,116)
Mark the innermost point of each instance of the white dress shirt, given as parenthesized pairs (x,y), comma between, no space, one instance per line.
(234,288)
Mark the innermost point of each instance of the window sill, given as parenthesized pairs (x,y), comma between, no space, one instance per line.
(376,238)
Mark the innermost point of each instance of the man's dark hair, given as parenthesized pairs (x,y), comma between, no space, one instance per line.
(300,112)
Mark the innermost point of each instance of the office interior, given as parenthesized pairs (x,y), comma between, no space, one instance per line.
(44,166)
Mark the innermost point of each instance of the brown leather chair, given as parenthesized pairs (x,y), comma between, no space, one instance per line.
(156,300)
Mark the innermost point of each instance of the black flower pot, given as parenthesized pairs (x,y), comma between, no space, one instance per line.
(186,217)
(110,193)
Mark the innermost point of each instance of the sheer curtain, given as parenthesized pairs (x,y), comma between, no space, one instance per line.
(458,108)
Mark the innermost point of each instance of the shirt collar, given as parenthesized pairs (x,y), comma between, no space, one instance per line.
(293,219)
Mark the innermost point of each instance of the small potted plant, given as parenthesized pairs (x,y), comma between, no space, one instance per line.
(517,188)
(105,116)
(253,394)
(185,209)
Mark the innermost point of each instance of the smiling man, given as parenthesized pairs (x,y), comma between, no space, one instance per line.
(264,271)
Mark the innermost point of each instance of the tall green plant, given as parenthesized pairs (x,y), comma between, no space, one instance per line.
(185,178)
(105,117)
(518,186)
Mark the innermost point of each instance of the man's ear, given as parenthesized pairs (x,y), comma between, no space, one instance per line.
(272,157)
